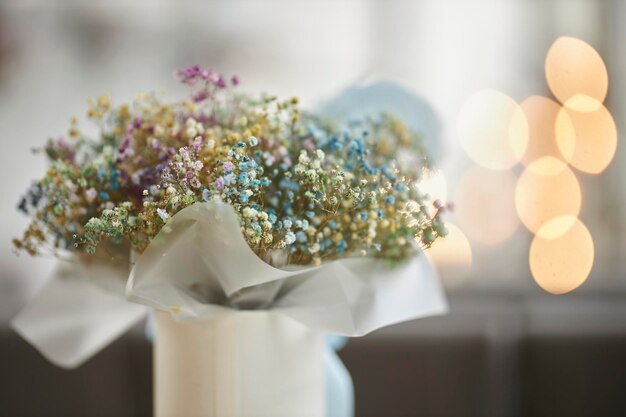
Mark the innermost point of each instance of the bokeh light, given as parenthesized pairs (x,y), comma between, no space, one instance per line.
(595,137)
(485,202)
(561,264)
(547,189)
(493,130)
(542,114)
(434,184)
(576,74)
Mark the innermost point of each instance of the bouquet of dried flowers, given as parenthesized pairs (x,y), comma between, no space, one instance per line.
(305,189)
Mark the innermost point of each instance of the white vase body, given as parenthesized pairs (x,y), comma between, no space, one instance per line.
(244,364)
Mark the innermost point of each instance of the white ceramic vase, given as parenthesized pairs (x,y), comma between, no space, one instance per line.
(247,363)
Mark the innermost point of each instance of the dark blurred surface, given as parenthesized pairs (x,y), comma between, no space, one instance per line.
(491,356)
(117,382)
(576,375)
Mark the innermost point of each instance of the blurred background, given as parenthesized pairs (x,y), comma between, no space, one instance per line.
(509,346)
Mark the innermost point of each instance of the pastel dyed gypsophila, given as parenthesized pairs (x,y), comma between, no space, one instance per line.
(301,186)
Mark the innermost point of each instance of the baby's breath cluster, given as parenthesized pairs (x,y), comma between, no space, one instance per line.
(305,189)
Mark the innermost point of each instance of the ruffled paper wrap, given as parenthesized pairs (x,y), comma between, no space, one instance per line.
(79,310)
(200,267)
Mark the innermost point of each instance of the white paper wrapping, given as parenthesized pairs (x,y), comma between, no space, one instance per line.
(244,364)
(199,267)
(80,310)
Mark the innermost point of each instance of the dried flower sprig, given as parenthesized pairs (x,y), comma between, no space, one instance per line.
(302,187)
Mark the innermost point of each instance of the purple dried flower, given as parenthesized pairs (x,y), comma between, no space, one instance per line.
(125,144)
(137,122)
(200,96)
(189,75)
(156,144)
(219,183)
(62,143)
(197,144)
(212,77)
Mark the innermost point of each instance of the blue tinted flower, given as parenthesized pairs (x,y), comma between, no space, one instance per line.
(206,194)
(301,237)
